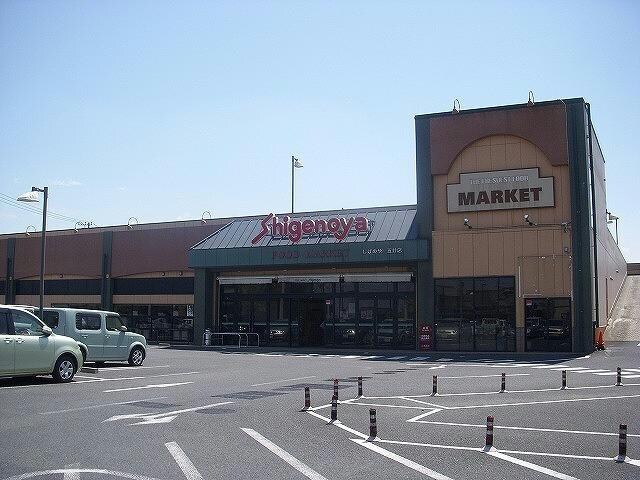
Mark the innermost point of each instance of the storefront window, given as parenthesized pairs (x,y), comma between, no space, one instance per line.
(324,313)
(475,314)
(159,323)
(279,322)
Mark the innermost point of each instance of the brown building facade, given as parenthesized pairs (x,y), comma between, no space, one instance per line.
(507,249)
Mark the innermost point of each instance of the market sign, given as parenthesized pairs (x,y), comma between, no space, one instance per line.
(296,229)
(500,190)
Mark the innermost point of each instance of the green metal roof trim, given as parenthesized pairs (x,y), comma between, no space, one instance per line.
(394,251)
(368,235)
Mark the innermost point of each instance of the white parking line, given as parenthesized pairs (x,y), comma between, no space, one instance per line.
(116,379)
(531,466)
(542,402)
(146,387)
(504,427)
(306,470)
(90,407)
(112,369)
(187,467)
(64,471)
(399,357)
(487,376)
(280,381)
(402,460)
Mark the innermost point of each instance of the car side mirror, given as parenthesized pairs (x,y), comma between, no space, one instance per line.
(46,330)
(122,328)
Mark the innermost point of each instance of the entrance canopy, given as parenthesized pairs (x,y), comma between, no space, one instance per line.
(369,235)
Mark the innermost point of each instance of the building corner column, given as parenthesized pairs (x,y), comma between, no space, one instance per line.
(205,299)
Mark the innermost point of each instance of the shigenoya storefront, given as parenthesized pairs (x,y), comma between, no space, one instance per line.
(507,248)
(337,278)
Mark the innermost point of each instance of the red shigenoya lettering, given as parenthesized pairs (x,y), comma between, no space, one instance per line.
(295,229)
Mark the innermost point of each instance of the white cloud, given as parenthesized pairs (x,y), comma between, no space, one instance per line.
(66,183)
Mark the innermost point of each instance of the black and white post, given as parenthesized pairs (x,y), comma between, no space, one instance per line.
(373,426)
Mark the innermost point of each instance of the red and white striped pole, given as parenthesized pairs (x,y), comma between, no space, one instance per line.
(622,444)
(335,388)
(503,383)
(373,426)
(435,385)
(564,379)
(359,386)
(334,408)
(488,439)
(618,377)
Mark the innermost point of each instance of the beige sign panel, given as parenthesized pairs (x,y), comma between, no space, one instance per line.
(500,190)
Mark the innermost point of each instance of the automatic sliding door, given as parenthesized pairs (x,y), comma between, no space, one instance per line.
(279,331)
(366,320)
(260,316)
(345,321)
(385,336)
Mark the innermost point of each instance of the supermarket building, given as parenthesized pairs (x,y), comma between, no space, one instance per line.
(506,249)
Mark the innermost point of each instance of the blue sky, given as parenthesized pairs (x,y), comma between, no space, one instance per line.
(161,110)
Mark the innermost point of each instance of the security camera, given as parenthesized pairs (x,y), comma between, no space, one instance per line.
(466,223)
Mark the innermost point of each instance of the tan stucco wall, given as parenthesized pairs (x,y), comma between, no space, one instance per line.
(500,242)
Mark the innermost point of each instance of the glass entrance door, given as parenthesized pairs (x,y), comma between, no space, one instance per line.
(547,324)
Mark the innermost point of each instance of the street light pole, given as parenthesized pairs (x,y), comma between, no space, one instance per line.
(33,197)
(295,163)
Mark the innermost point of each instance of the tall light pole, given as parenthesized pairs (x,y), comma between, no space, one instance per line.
(32,196)
(295,163)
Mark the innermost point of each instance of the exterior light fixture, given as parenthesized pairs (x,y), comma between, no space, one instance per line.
(204,220)
(456,109)
(130,225)
(612,218)
(531,101)
(466,224)
(27,232)
(529,222)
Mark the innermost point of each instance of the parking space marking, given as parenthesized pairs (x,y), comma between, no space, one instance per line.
(71,475)
(112,369)
(402,460)
(487,376)
(531,466)
(91,407)
(116,379)
(542,402)
(156,385)
(280,381)
(166,417)
(64,471)
(306,470)
(187,467)
(505,427)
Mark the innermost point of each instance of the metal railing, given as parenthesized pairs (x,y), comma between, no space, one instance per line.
(239,334)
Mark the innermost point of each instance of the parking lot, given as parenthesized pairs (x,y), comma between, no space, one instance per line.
(237,414)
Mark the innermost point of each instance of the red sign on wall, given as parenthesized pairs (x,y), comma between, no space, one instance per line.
(295,229)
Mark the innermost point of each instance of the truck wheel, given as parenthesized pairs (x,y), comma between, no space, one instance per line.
(64,369)
(136,357)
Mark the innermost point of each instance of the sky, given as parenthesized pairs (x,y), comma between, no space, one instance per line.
(162,110)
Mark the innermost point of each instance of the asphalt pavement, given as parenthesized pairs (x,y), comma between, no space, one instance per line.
(236,414)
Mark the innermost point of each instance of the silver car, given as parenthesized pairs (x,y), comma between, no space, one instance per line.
(28,347)
(102,336)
